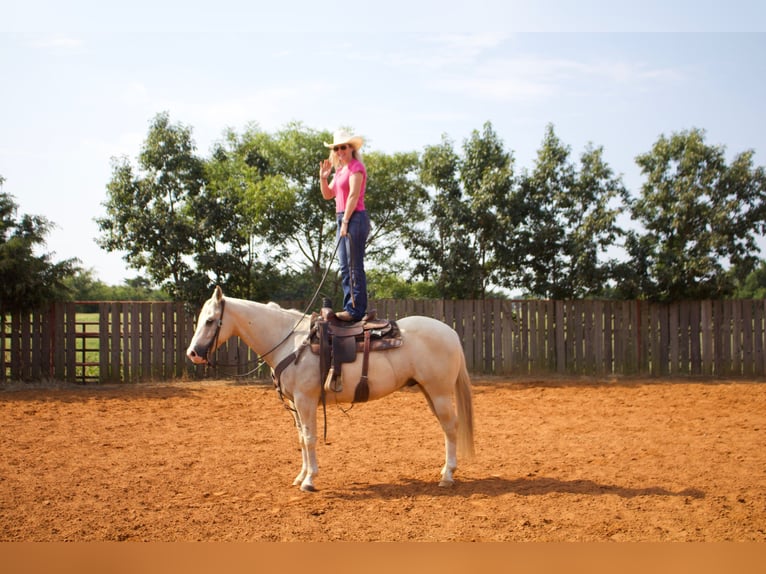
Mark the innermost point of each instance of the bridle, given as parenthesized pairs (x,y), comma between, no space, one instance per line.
(214,342)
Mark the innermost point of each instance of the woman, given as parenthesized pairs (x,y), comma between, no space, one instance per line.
(347,187)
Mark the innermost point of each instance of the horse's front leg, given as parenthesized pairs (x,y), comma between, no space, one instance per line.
(304,455)
(306,421)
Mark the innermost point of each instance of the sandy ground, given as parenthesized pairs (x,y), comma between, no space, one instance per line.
(557,460)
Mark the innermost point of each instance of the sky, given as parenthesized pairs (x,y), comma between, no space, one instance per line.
(81,81)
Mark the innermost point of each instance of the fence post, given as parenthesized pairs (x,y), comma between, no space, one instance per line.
(706,333)
(758,335)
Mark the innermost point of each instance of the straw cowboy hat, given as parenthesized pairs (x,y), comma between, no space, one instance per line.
(343,137)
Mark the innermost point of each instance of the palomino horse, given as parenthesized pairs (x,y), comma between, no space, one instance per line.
(431,356)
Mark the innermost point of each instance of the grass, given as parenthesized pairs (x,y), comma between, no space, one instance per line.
(87,348)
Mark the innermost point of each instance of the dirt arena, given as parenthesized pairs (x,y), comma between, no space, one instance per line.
(556,460)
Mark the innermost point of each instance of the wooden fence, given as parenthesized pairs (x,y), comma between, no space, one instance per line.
(140,341)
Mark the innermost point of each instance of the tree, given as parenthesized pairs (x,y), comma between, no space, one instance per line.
(563,222)
(149,215)
(391,285)
(754,285)
(701,217)
(266,192)
(84,286)
(441,248)
(27,280)
(456,249)
(272,222)
(597,201)
(305,224)
(487,178)
(241,188)
(396,202)
(298,222)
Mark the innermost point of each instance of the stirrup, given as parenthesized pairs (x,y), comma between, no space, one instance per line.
(333,383)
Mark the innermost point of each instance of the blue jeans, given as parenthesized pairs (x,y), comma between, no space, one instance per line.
(351,251)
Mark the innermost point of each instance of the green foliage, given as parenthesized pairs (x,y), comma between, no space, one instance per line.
(754,285)
(445,223)
(230,215)
(440,248)
(564,221)
(84,286)
(150,215)
(701,217)
(270,219)
(456,249)
(305,228)
(390,285)
(27,280)
(254,213)
(395,200)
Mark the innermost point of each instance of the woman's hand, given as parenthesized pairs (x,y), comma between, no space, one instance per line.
(325,169)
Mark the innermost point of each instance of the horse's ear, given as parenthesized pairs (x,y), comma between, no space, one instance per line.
(218,294)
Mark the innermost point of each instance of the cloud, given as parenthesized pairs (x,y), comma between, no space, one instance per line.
(134,94)
(120,144)
(59,42)
(528,77)
(271,107)
(467,45)
(428,53)
(485,66)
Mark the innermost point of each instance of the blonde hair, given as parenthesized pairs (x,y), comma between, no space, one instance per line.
(356,153)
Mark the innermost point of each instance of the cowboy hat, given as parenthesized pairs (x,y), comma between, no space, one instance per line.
(343,137)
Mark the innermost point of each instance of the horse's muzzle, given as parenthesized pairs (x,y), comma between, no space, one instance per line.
(198,358)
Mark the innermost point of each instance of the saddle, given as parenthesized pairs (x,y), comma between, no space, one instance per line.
(337,342)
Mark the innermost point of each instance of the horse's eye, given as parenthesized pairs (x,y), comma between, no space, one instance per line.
(209,322)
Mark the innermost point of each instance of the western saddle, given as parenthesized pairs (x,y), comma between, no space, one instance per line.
(337,342)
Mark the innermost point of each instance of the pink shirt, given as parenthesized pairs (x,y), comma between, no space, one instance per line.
(342,187)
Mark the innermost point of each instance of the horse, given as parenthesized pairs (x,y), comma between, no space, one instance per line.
(430,357)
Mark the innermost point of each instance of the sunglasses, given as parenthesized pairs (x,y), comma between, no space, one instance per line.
(340,147)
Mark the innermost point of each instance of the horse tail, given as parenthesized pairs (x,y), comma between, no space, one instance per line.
(464,400)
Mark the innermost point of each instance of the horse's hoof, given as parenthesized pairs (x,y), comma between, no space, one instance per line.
(446,483)
(308,488)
